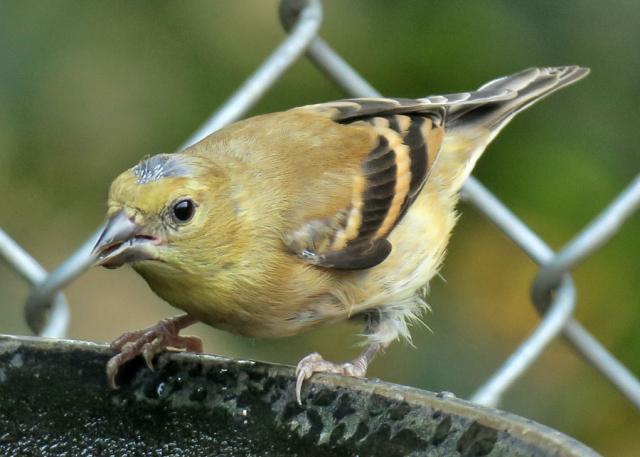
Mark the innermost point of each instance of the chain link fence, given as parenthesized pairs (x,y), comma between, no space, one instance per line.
(553,292)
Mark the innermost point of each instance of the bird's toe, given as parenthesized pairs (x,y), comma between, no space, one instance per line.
(315,363)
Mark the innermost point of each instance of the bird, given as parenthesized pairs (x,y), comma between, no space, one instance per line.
(282,222)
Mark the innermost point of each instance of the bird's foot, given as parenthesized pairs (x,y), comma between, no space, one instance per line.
(314,363)
(149,342)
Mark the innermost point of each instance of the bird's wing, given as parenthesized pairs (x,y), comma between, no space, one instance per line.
(391,174)
(409,135)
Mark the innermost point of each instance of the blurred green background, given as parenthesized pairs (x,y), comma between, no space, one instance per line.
(88,88)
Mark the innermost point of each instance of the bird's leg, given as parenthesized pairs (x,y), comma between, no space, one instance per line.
(151,341)
(314,363)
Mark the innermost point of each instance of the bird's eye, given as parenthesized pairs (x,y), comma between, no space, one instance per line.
(183,210)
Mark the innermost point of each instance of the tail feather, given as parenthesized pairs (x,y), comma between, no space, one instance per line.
(528,85)
(471,127)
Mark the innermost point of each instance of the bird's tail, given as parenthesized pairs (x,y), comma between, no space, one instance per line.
(471,127)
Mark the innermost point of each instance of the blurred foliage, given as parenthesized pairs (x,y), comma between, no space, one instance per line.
(88,88)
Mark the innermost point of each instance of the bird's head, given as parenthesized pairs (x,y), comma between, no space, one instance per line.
(162,212)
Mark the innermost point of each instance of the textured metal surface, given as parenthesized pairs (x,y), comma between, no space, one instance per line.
(54,401)
(553,291)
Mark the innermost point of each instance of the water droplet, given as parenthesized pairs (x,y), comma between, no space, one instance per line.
(162,389)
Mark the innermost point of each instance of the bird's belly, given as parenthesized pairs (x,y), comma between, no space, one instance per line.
(419,244)
(252,311)
(271,322)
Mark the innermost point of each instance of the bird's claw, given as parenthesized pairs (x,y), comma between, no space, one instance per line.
(150,350)
(148,343)
(315,363)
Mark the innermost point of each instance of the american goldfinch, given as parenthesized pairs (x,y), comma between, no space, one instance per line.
(282,222)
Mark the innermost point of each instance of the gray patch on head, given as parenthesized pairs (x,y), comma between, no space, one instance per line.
(307,315)
(158,167)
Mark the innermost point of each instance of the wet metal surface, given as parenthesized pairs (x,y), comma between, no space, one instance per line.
(54,401)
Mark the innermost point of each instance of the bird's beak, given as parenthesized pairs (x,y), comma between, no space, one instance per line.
(123,241)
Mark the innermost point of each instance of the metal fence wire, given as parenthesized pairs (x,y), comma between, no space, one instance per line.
(553,292)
